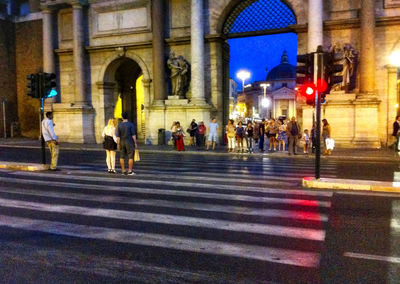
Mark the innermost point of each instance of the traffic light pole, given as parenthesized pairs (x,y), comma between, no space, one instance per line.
(41,92)
(318,76)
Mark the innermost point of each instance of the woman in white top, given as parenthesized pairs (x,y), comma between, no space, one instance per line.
(110,144)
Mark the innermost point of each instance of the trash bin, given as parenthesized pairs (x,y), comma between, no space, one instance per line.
(161,136)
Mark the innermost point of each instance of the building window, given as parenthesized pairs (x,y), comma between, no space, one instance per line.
(284,84)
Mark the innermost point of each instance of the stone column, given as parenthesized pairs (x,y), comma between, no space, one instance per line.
(48,42)
(367,52)
(315,24)
(79,53)
(157,16)
(49,65)
(392,100)
(197,52)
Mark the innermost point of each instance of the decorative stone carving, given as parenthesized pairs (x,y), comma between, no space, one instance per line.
(346,55)
(179,75)
(121,51)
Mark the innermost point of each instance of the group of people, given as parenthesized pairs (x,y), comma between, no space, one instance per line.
(122,136)
(243,136)
(197,134)
(117,136)
(278,133)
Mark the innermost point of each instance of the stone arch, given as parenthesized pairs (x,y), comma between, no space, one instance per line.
(222,12)
(113,62)
(106,87)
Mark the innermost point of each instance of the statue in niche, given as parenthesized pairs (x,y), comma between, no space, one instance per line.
(348,57)
(179,74)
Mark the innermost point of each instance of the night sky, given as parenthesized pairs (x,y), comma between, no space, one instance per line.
(255,54)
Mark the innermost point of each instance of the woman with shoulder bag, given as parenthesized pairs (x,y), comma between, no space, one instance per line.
(110,144)
(326,134)
(230,134)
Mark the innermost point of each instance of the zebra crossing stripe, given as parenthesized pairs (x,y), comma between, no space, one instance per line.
(267,254)
(176,193)
(274,230)
(137,181)
(245,211)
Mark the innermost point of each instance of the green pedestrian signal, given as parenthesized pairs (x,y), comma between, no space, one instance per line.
(50,84)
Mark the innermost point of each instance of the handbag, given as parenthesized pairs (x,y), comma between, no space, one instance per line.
(330,143)
(136,156)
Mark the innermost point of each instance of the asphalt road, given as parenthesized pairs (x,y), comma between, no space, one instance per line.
(194,219)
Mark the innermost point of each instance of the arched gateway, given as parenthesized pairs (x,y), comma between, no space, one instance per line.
(247,19)
(125,88)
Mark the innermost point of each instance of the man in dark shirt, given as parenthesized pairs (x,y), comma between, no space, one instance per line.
(293,131)
(261,132)
(126,139)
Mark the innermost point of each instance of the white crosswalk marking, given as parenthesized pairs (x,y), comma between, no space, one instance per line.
(247,214)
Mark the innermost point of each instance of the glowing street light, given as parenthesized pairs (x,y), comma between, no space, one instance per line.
(395,58)
(265,102)
(243,75)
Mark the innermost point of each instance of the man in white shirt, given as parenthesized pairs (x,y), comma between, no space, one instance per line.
(51,139)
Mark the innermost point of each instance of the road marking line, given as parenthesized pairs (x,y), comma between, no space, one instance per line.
(390,259)
(180,193)
(268,254)
(268,230)
(239,210)
(198,186)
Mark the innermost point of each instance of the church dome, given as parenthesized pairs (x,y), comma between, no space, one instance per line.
(284,71)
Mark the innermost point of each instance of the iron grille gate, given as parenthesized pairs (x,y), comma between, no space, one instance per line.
(259,15)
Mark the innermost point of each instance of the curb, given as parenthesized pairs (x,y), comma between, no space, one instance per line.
(347,184)
(23,166)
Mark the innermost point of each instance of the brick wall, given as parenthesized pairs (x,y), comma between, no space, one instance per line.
(7,76)
(29,58)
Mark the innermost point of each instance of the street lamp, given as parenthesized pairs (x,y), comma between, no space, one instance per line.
(243,75)
(265,101)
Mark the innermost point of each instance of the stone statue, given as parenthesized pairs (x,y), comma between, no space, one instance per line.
(179,74)
(348,57)
(184,81)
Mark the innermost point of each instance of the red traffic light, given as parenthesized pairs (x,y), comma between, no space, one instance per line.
(308,91)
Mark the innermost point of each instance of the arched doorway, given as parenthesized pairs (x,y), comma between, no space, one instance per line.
(126,94)
(254,19)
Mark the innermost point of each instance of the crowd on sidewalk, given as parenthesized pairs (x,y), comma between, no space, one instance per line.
(240,136)
(244,136)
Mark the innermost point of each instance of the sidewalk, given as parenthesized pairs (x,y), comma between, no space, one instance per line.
(338,153)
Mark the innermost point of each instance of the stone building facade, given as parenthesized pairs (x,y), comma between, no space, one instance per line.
(99,49)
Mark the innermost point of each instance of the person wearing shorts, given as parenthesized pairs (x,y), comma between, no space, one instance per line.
(212,136)
(126,139)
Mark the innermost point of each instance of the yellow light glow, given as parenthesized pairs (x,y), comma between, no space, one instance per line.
(396,105)
(118,108)
(139,102)
(395,58)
